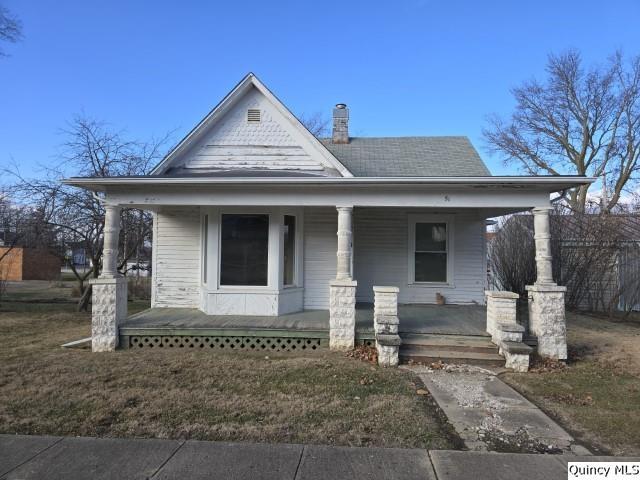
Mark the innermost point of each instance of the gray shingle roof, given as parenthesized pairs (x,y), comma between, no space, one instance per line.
(409,157)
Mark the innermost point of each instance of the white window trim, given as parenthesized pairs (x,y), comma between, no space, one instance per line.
(298,254)
(275,275)
(411,251)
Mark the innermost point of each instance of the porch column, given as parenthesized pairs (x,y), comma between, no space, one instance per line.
(542,236)
(546,299)
(109,291)
(345,245)
(111,237)
(342,290)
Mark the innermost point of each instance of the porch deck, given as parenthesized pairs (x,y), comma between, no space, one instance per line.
(414,319)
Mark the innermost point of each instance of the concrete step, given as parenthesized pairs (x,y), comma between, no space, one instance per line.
(442,337)
(451,342)
(429,354)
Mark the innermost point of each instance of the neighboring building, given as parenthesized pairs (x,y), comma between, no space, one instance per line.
(76,254)
(28,264)
(254,216)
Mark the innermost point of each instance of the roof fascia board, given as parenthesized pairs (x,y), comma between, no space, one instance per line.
(540,182)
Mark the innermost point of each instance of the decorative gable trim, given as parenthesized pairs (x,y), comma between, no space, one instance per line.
(305,138)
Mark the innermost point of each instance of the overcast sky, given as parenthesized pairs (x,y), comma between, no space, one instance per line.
(404,67)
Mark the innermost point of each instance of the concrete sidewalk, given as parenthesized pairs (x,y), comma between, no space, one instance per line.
(489,415)
(32,457)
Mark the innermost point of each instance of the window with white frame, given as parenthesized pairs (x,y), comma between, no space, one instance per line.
(429,255)
(244,249)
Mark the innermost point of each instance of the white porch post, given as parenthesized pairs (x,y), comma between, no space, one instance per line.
(111,236)
(542,236)
(342,290)
(109,295)
(546,298)
(345,245)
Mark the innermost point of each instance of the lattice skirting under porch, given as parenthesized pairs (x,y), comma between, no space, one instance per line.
(229,343)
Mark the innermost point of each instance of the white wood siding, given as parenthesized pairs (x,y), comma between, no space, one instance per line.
(320,245)
(235,143)
(381,257)
(176,256)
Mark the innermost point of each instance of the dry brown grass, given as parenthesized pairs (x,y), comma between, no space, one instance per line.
(597,396)
(318,398)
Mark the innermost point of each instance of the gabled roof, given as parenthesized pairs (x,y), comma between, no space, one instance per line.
(306,138)
(409,157)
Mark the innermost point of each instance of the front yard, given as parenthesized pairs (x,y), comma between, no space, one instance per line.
(597,396)
(320,398)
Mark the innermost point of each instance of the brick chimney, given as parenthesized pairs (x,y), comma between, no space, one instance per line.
(340,124)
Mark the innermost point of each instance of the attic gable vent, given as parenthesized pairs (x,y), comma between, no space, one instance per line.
(253,115)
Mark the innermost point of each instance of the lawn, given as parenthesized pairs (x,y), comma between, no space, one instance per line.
(322,398)
(597,396)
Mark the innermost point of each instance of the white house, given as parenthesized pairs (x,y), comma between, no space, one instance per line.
(255,217)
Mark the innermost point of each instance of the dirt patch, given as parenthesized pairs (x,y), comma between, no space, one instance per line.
(597,338)
(519,442)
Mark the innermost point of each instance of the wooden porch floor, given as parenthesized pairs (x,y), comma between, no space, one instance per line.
(423,319)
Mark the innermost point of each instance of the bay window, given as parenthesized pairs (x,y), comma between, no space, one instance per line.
(244,249)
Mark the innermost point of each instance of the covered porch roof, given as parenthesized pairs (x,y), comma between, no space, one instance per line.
(497,195)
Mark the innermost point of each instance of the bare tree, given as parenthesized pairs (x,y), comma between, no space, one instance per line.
(595,255)
(512,256)
(77,216)
(10,28)
(584,122)
(316,123)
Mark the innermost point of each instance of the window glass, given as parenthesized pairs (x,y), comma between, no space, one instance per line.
(431,252)
(289,249)
(205,242)
(244,250)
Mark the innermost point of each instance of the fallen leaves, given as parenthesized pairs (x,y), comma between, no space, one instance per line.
(364,353)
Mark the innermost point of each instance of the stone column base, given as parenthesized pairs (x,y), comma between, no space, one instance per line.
(342,314)
(385,325)
(518,362)
(547,319)
(501,308)
(388,347)
(108,309)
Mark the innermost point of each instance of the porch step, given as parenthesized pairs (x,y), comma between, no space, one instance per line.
(422,355)
(458,343)
(450,349)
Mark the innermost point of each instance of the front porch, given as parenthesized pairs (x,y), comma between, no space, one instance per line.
(283,278)
(161,327)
